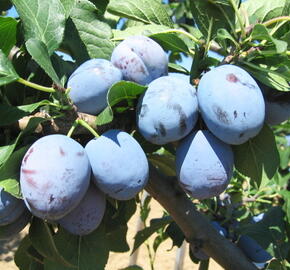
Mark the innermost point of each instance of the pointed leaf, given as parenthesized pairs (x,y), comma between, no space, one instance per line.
(94,33)
(146,11)
(258,155)
(68,6)
(8,28)
(7,71)
(42,20)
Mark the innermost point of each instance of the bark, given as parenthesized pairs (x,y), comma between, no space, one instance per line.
(196,227)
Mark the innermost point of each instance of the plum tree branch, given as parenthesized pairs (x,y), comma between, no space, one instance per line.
(195,226)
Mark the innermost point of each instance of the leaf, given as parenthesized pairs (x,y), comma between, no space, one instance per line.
(39,233)
(101,5)
(8,27)
(7,71)
(260,32)
(42,20)
(258,155)
(270,233)
(166,163)
(116,239)
(40,54)
(261,11)
(5,5)
(10,114)
(146,11)
(94,33)
(9,173)
(21,258)
(120,91)
(68,6)
(175,233)
(205,11)
(143,235)
(133,267)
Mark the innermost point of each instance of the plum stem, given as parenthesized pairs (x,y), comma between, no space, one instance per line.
(84,124)
(203,265)
(36,86)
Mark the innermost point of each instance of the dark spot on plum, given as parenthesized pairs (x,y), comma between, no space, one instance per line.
(119,190)
(132,49)
(215,179)
(182,117)
(222,116)
(161,129)
(62,153)
(27,171)
(249,85)
(139,181)
(241,135)
(244,114)
(235,114)
(51,198)
(143,110)
(28,154)
(80,154)
(232,78)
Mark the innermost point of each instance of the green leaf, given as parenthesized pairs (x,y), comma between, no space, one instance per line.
(205,11)
(100,5)
(175,233)
(116,239)
(21,258)
(5,5)
(270,233)
(40,233)
(10,114)
(68,6)
(133,267)
(9,173)
(260,32)
(8,27)
(39,53)
(7,71)
(42,20)
(155,224)
(94,33)
(261,10)
(146,11)
(257,156)
(120,91)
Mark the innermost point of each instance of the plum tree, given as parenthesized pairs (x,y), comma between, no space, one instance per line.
(231,104)
(204,164)
(16,226)
(119,164)
(89,84)
(141,59)
(55,174)
(168,110)
(10,207)
(87,215)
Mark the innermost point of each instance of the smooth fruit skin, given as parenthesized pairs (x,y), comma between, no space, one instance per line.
(141,59)
(16,226)
(55,175)
(119,164)
(204,165)
(253,250)
(90,83)
(88,214)
(231,104)
(167,111)
(11,208)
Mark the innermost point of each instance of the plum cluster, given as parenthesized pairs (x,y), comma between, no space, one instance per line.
(64,182)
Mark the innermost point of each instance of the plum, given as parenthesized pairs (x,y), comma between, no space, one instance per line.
(253,250)
(167,111)
(90,83)
(119,164)
(11,208)
(16,226)
(180,75)
(54,177)
(141,59)
(88,214)
(204,164)
(277,105)
(231,104)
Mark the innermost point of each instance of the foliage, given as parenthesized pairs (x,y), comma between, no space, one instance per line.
(47,40)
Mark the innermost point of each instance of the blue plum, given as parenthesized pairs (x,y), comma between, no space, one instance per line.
(90,83)
(231,104)
(119,164)
(88,214)
(11,208)
(54,177)
(141,59)
(253,250)
(204,165)
(16,226)
(180,75)
(167,111)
